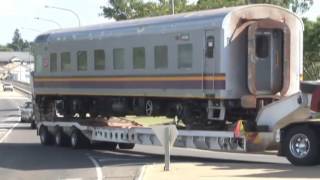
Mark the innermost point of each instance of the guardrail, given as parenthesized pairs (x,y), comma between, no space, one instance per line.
(21,86)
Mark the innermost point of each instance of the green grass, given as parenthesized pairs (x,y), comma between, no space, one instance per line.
(149,121)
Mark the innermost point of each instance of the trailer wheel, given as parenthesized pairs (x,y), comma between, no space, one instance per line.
(61,138)
(111,146)
(45,136)
(301,146)
(78,140)
(126,145)
(33,124)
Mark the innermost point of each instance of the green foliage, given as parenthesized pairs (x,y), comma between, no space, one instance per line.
(4,48)
(209,4)
(311,70)
(300,6)
(18,44)
(311,45)
(131,9)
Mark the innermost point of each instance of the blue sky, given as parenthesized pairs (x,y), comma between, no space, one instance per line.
(21,13)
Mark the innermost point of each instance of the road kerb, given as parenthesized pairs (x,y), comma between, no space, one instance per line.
(140,173)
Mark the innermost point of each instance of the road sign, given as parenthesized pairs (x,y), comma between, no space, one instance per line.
(167,136)
(161,134)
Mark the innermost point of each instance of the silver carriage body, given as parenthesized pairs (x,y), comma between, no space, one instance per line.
(255,53)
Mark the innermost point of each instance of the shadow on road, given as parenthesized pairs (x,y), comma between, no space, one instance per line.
(11,109)
(34,156)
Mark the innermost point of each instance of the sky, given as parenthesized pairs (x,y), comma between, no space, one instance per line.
(20,14)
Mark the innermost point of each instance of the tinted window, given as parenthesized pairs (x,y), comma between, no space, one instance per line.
(53,62)
(82,60)
(139,58)
(185,56)
(99,60)
(118,58)
(65,61)
(161,56)
(42,38)
(262,46)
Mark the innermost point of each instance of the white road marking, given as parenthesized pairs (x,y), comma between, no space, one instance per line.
(7,133)
(6,126)
(116,159)
(141,174)
(13,97)
(97,165)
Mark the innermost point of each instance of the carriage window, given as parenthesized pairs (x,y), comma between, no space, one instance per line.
(262,46)
(65,61)
(185,56)
(118,58)
(139,58)
(210,47)
(82,60)
(99,60)
(161,56)
(53,62)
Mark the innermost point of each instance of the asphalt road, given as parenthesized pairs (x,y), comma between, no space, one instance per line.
(23,157)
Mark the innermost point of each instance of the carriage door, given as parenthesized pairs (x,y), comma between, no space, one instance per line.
(263,62)
(208,63)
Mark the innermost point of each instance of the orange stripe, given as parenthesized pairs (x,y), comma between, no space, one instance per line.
(112,79)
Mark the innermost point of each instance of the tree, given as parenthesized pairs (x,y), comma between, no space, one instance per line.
(300,6)
(131,9)
(297,6)
(18,44)
(4,48)
(311,45)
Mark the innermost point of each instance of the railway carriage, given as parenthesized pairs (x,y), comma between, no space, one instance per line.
(210,68)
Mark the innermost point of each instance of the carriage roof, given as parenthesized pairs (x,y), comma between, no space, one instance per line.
(160,24)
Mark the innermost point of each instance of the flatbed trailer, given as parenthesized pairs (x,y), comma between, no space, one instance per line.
(289,123)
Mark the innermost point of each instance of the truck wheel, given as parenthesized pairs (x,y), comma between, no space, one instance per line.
(61,138)
(78,140)
(45,136)
(149,107)
(301,146)
(126,145)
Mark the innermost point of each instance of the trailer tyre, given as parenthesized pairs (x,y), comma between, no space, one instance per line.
(45,136)
(111,146)
(61,138)
(33,124)
(126,145)
(78,140)
(301,146)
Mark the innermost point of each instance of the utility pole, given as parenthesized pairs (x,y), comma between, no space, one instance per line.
(48,20)
(172,6)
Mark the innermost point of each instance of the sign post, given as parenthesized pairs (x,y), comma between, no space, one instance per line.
(167,136)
